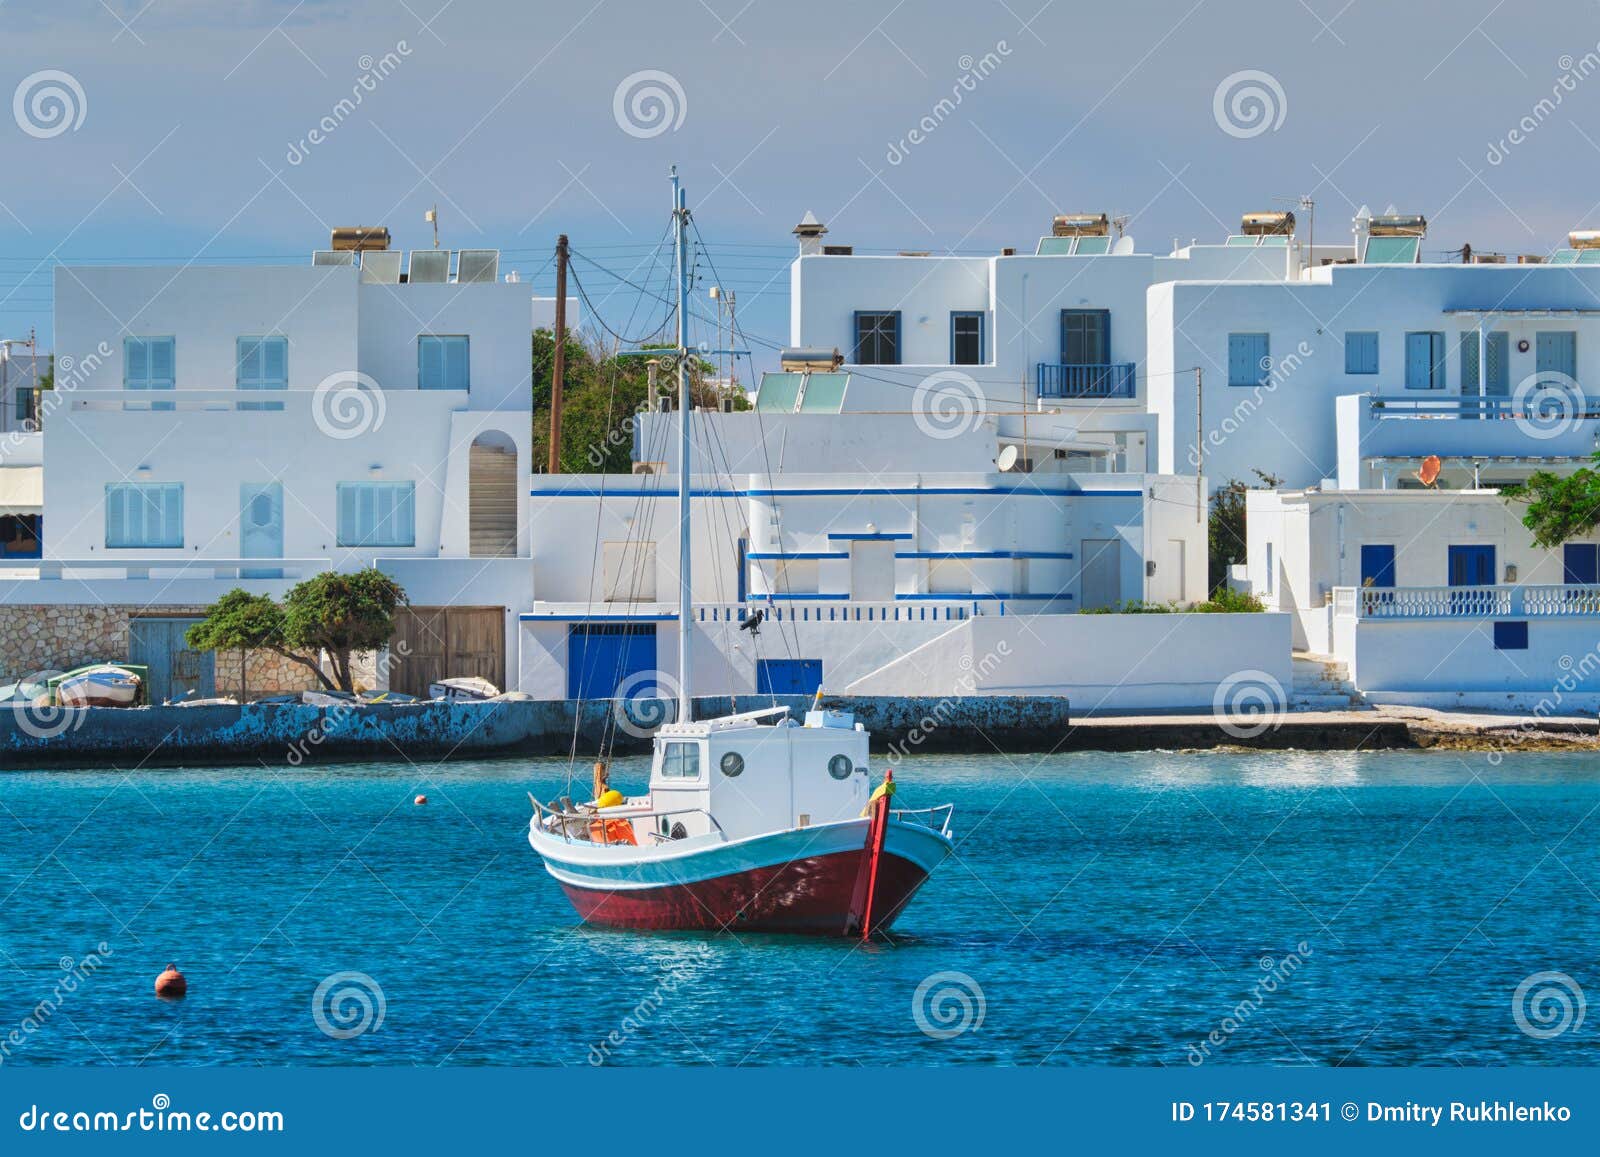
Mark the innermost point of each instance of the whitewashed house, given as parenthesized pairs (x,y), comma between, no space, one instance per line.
(214,427)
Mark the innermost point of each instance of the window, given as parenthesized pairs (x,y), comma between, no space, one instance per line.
(877,338)
(1249,359)
(966,338)
(144,515)
(20,536)
(1361,352)
(377,514)
(443,363)
(1511,635)
(1085,337)
(629,571)
(150,363)
(681,761)
(262,364)
(1424,361)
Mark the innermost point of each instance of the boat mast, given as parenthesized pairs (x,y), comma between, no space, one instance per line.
(680,219)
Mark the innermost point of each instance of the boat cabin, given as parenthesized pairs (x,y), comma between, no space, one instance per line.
(758,772)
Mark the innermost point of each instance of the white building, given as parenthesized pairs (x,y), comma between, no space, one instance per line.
(220,426)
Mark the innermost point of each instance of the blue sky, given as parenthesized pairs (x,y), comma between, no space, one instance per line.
(190,139)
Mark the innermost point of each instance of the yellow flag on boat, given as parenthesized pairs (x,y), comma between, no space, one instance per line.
(884,790)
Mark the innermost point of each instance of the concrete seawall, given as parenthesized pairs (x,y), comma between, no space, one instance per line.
(298,734)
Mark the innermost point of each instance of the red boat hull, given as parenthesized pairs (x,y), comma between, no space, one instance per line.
(810,895)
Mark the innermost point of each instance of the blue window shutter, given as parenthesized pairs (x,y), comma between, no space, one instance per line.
(135,364)
(249,368)
(457,358)
(116,520)
(1361,352)
(1424,361)
(163,362)
(275,362)
(172,515)
(1248,355)
(377,514)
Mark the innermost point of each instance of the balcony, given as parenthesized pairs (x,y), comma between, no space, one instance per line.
(1113,380)
(1559,600)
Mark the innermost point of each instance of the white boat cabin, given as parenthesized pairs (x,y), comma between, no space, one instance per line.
(758,772)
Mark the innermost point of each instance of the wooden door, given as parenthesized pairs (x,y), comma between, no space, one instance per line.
(433,643)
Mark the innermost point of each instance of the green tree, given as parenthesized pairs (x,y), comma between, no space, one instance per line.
(1560,507)
(601,392)
(333,614)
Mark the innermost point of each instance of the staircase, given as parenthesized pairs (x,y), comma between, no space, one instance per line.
(492,502)
(1322,683)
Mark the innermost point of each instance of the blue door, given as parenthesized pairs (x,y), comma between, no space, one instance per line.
(1424,361)
(261,526)
(1377,565)
(1556,352)
(174,670)
(605,657)
(1471,566)
(788,676)
(1580,563)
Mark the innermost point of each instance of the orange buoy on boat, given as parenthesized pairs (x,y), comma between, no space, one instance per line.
(171,983)
(420,800)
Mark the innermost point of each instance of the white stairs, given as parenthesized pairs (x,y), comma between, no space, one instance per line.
(492,502)
(1322,683)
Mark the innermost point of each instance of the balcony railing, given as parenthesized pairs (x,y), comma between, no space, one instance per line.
(1545,407)
(1562,600)
(1113,380)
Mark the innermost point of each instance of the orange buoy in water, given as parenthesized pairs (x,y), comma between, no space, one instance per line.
(420,800)
(171,984)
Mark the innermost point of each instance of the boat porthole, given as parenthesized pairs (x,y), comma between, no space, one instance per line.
(840,767)
(732,764)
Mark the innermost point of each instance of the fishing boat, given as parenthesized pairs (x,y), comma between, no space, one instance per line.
(102,685)
(467,689)
(751,822)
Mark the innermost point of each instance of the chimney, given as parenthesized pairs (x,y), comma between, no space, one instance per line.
(810,232)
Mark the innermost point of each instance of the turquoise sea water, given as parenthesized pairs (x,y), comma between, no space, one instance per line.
(1101,909)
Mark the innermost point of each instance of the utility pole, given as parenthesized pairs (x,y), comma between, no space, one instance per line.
(432,215)
(680,227)
(558,370)
(1199,450)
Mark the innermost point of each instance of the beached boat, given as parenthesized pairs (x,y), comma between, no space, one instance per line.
(467,688)
(752,821)
(103,685)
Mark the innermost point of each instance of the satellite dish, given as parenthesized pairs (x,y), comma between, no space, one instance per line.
(1123,247)
(1007,459)
(1429,474)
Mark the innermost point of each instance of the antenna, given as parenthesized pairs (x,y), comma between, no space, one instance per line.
(1120,222)
(432,217)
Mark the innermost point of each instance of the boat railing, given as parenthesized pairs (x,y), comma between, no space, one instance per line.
(583,822)
(934,818)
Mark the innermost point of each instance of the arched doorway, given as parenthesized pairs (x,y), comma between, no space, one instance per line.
(492,496)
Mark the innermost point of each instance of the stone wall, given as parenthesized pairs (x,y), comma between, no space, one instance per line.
(37,638)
